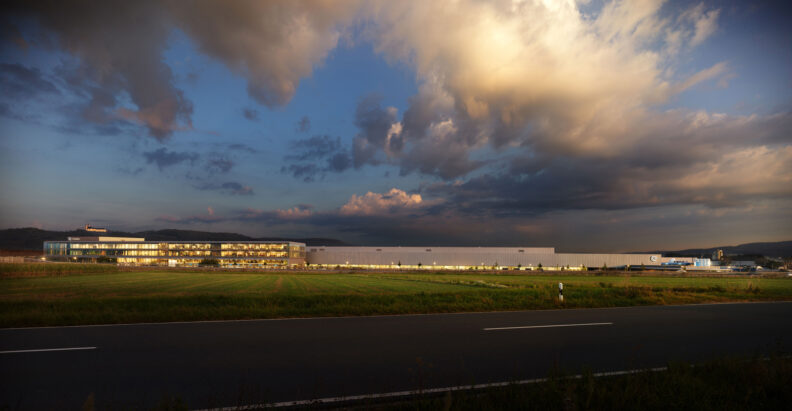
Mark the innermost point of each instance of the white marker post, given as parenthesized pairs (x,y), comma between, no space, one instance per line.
(561,292)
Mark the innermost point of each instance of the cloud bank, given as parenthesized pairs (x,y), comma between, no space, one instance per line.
(523,107)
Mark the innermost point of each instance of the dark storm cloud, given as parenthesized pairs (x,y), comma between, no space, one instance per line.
(22,85)
(96,102)
(718,168)
(315,147)
(250,114)
(439,136)
(9,32)
(316,156)
(273,44)
(442,148)
(229,188)
(164,158)
(121,46)
(374,123)
(202,170)
(234,188)
(397,227)
(219,164)
(307,172)
(242,147)
(338,162)
(20,82)
(304,125)
(445,157)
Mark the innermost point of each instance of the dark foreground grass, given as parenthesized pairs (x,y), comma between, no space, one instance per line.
(724,384)
(128,297)
(759,383)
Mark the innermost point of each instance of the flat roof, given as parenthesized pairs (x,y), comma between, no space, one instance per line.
(143,240)
(137,239)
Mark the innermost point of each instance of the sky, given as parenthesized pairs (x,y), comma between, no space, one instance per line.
(583,125)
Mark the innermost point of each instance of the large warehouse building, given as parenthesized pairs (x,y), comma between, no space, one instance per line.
(288,254)
(461,258)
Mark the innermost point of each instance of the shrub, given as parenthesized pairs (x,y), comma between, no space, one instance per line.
(209,262)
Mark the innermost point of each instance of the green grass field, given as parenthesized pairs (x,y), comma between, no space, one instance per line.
(45,294)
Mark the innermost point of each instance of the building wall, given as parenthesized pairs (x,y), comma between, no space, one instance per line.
(179,253)
(468,257)
(289,254)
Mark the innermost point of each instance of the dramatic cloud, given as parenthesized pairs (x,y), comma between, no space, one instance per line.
(524,109)
(164,158)
(273,44)
(539,75)
(394,201)
(378,127)
(717,167)
(120,46)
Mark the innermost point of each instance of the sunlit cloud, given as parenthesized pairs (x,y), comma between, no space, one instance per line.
(394,201)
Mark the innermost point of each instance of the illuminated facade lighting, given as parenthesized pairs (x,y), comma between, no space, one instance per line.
(136,251)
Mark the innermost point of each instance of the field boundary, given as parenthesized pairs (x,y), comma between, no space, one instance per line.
(342,317)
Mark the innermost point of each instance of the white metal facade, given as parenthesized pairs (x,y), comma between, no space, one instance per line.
(469,257)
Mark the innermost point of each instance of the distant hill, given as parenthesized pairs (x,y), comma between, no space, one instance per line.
(33,238)
(774,249)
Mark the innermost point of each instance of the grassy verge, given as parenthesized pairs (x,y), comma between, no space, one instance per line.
(757,384)
(123,297)
(10,270)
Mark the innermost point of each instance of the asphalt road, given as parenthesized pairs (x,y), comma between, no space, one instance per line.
(210,364)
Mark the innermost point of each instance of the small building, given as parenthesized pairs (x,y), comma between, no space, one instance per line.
(88,227)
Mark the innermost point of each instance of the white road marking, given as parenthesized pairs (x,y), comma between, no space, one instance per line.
(545,326)
(353,317)
(48,349)
(397,394)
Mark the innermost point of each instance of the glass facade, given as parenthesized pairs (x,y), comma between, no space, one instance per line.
(180,254)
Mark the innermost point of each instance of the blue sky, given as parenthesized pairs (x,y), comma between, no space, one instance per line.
(603,126)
